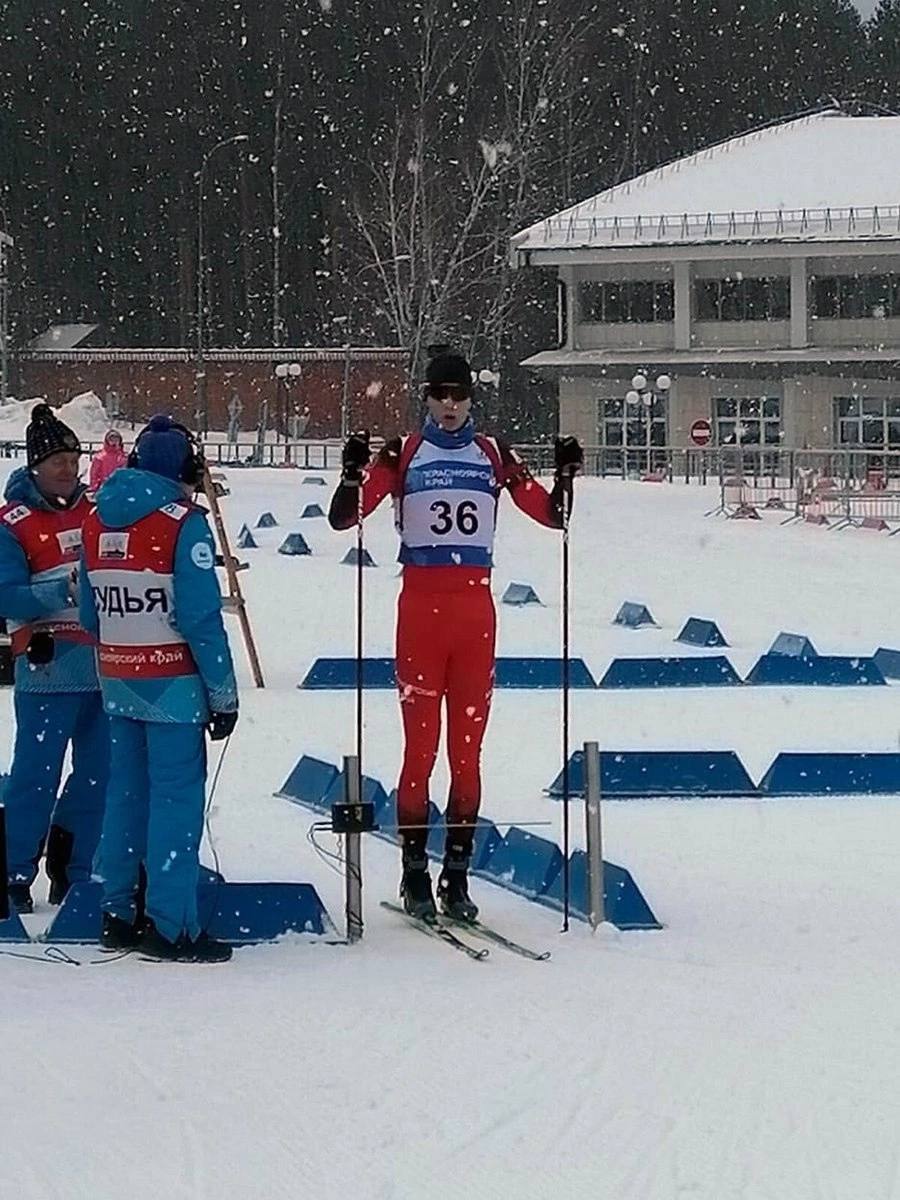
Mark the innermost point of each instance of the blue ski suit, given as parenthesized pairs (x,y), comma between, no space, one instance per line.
(156,797)
(56,704)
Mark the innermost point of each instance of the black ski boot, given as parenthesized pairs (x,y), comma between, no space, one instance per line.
(119,936)
(453,893)
(56,864)
(20,898)
(415,886)
(453,881)
(203,949)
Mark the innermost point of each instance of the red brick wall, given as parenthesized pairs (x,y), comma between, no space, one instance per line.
(377,391)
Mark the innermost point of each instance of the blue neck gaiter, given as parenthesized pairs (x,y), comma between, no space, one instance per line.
(447,440)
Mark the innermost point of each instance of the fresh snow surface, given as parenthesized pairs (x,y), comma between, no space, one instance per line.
(749,1051)
(788,166)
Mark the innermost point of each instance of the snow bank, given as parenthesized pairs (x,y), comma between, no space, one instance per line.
(84,414)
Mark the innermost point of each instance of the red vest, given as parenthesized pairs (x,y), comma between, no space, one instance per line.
(51,543)
(131,572)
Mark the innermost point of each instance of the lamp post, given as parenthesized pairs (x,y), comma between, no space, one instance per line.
(200,373)
(6,244)
(643,395)
(285,375)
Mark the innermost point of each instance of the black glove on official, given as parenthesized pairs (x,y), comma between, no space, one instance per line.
(221,725)
(568,455)
(41,648)
(355,456)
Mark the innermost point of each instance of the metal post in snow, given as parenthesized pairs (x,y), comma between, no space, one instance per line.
(4,878)
(594,836)
(353,854)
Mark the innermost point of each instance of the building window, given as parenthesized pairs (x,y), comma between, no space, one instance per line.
(628,425)
(767,298)
(855,297)
(748,420)
(872,422)
(633,300)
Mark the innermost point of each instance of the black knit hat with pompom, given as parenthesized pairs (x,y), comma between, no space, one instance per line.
(47,435)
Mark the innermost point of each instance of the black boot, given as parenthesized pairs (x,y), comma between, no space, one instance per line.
(453,893)
(59,854)
(203,949)
(119,935)
(20,900)
(453,881)
(415,886)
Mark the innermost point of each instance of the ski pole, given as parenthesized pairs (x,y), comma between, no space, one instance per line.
(360,550)
(566,508)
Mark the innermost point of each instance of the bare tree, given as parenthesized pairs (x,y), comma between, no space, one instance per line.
(440,205)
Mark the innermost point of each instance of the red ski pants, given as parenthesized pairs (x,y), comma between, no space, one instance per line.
(445,649)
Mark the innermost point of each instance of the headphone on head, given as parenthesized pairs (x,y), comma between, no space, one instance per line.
(194,464)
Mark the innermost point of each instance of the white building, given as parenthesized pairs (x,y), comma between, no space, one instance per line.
(762,275)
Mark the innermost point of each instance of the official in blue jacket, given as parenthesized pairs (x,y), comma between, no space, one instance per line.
(150,593)
(57,694)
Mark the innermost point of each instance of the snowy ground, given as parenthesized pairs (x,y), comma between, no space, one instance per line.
(750,1051)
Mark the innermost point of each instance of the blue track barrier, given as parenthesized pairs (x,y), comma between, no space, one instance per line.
(512,673)
(266,521)
(311,510)
(12,930)
(294,543)
(700,632)
(352,556)
(239,913)
(888,662)
(633,616)
(825,670)
(672,774)
(309,782)
(833,775)
(795,645)
(524,863)
(670,673)
(520,593)
(625,907)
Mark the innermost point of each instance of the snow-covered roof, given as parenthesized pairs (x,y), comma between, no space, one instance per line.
(703,356)
(821,177)
(61,337)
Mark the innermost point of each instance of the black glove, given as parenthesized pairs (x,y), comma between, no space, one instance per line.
(41,648)
(355,456)
(568,455)
(221,725)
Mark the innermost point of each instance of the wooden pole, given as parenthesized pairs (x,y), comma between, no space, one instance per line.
(235,600)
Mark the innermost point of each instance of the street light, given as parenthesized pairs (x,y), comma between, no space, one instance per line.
(644,395)
(6,244)
(201,396)
(286,374)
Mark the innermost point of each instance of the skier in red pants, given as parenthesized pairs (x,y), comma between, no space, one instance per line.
(445,483)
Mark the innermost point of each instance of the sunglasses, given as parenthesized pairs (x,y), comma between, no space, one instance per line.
(447,391)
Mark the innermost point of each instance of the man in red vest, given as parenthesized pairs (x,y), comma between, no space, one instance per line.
(57,694)
(149,591)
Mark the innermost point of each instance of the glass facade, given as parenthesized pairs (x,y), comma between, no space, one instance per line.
(767,298)
(855,297)
(871,422)
(748,420)
(635,429)
(633,300)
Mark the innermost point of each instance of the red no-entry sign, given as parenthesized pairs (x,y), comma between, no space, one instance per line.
(701,433)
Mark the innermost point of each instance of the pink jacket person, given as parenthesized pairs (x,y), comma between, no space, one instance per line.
(107,460)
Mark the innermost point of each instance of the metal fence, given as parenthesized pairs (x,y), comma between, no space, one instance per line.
(776,470)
